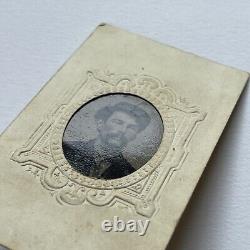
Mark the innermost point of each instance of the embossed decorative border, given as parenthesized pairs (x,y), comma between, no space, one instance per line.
(43,155)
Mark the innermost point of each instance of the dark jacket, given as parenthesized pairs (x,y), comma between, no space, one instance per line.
(80,156)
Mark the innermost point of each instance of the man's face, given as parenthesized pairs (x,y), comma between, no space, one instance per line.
(118,130)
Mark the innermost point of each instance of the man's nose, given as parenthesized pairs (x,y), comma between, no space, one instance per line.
(122,128)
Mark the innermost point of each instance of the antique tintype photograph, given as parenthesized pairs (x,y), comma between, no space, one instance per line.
(112,136)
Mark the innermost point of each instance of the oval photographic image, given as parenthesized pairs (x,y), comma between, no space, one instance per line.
(112,136)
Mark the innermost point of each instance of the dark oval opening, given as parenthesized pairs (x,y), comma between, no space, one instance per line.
(112,136)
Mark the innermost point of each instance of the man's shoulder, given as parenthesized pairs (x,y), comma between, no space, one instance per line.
(79,146)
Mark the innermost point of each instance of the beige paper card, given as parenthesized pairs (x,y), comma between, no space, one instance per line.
(107,155)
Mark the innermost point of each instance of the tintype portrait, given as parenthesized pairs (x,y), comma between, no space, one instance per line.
(112,136)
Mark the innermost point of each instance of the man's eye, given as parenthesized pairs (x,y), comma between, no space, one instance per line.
(117,121)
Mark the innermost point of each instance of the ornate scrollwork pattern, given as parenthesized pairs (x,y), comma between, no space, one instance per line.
(42,155)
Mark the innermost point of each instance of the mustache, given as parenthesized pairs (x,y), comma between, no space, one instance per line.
(119,136)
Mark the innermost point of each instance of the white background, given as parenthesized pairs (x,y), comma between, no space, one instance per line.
(36,37)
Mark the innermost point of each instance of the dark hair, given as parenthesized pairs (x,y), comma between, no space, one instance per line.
(142,118)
